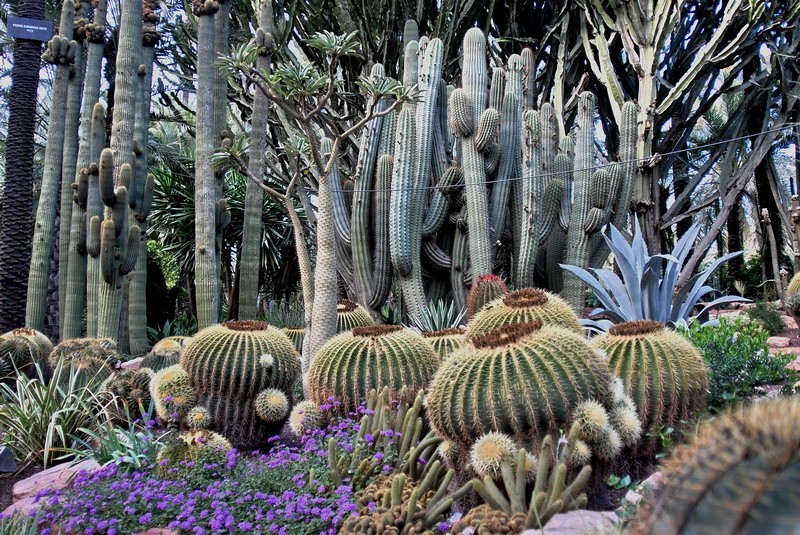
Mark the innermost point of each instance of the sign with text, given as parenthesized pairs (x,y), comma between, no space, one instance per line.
(37,30)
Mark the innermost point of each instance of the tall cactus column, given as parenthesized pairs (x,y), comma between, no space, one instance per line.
(94,217)
(475,85)
(250,266)
(61,52)
(205,196)
(142,198)
(89,149)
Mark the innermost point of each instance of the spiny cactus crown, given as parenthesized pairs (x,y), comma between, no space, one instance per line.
(376,330)
(444,332)
(507,334)
(346,305)
(635,328)
(246,325)
(526,297)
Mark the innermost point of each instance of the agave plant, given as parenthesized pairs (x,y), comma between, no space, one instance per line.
(647,289)
(438,316)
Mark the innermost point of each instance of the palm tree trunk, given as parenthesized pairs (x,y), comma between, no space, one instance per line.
(15,234)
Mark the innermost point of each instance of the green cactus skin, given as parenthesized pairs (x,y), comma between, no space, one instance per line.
(254,196)
(94,215)
(410,31)
(172,393)
(21,350)
(474,81)
(271,405)
(91,131)
(524,380)
(350,315)
(128,394)
(497,87)
(486,289)
(510,142)
(460,116)
(206,275)
(44,228)
(487,130)
(564,165)
(191,448)
(459,263)
(529,81)
(239,359)
(738,475)
(550,207)
(355,362)
(528,304)
(410,67)
(296,335)
(237,421)
(360,218)
(445,342)
(438,209)
(528,202)
(382,265)
(305,416)
(661,371)
(427,118)
(165,353)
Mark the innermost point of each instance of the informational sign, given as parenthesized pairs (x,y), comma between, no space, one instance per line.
(36,30)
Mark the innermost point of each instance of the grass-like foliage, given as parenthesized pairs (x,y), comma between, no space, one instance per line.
(738,359)
(42,421)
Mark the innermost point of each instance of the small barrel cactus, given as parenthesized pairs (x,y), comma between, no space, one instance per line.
(305,416)
(524,379)
(528,304)
(230,366)
(483,291)
(21,350)
(661,371)
(350,365)
(794,285)
(192,448)
(165,353)
(172,393)
(296,335)
(737,475)
(128,395)
(446,341)
(91,360)
(350,315)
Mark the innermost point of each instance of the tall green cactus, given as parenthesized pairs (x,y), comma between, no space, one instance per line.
(91,141)
(94,215)
(60,51)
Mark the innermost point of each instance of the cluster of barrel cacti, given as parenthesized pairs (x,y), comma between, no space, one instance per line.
(468,169)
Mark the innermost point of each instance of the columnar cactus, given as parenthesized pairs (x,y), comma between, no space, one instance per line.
(528,304)
(524,379)
(366,358)
(229,366)
(661,371)
(737,475)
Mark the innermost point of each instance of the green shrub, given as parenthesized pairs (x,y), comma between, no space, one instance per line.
(738,359)
(768,316)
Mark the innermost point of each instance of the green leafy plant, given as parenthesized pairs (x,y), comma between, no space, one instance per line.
(738,359)
(43,421)
(643,292)
(768,316)
(438,316)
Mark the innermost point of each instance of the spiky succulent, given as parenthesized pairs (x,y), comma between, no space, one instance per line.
(350,365)
(738,475)
(191,448)
(271,405)
(93,360)
(198,418)
(486,289)
(21,350)
(305,416)
(489,451)
(528,304)
(350,314)
(165,353)
(661,371)
(446,341)
(524,379)
(128,395)
(296,335)
(172,393)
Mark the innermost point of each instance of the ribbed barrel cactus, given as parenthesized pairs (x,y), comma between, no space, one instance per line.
(296,335)
(230,366)
(485,290)
(794,285)
(350,314)
(738,475)
(520,306)
(525,380)
(172,393)
(661,371)
(446,341)
(127,395)
(92,359)
(21,350)
(366,358)
(165,353)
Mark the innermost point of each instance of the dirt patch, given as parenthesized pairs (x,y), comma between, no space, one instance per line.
(793,335)
(7,482)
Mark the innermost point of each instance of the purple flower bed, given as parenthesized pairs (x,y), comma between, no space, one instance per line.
(287,491)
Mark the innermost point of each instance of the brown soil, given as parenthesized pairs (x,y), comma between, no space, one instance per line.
(7,482)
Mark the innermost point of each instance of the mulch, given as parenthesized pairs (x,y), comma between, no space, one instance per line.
(7,482)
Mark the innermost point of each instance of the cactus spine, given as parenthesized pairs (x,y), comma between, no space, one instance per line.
(91,141)
(60,51)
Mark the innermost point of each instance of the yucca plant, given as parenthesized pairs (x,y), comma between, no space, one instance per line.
(41,421)
(438,316)
(647,289)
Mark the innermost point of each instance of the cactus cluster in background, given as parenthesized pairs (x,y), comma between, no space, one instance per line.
(366,358)
(92,358)
(350,315)
(127,395)
(21,350)
(237,369)
(165,353)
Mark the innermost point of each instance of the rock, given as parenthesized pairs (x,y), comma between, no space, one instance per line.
(790,322)
(133,364)
(24,506)
(655,482)
(794,365)
(777,342)
(56,478)
(633,497)
(579,523)
(7,462)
